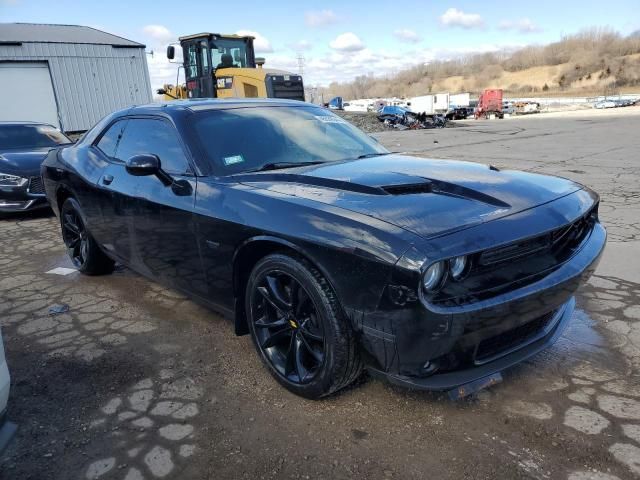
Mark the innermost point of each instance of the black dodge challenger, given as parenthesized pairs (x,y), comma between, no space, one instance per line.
(23,147)
(333,253)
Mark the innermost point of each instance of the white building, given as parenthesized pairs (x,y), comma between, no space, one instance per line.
(68,75)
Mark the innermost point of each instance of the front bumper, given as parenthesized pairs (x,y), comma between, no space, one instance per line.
(460,380)
(25,198)
(443,348)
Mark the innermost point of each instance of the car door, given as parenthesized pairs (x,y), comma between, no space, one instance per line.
(113,189)
(163,236)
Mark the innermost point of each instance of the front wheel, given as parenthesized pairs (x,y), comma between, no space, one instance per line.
(298,327)
(81,247)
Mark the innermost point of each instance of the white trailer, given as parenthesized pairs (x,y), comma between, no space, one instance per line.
(459,100)
(441,102)
(422,104)
(355,106)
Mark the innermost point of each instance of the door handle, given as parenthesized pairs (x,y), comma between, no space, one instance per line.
(107,179)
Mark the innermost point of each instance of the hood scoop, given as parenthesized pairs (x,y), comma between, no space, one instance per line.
(409,188)
(439,187)
(309,180)
(405,185)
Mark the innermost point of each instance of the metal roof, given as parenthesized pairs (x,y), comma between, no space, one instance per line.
(219,35)
(49,33)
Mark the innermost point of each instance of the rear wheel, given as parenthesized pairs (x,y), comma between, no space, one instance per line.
(81,247)
(298,327)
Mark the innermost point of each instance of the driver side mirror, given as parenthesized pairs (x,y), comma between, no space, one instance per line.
(171,52)
(145,165)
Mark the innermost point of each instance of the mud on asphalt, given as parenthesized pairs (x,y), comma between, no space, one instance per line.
(135,381)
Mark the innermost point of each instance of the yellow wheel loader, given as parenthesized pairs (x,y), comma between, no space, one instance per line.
(225,66)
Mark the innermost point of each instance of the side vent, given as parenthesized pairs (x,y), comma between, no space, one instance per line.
(409,189)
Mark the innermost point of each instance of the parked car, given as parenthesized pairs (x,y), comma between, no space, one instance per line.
(335,104)
(459,113)
(330,251)
(392,111)
(605,104)
(23,146)
(508,108)
(7,429)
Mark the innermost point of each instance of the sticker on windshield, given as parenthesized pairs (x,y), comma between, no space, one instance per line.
(233,160)
(330,119)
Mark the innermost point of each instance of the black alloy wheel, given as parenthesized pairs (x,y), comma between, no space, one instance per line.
(298,327)
(75,237)
(83,250)
(287,327)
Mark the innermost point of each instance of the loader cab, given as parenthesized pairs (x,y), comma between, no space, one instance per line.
(206,53)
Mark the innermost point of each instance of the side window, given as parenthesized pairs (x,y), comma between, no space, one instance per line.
(192,61)
(204,54)
(109,141)
(157,137)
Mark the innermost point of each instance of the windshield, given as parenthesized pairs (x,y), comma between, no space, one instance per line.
(30,136)
(227,53)
(247,139)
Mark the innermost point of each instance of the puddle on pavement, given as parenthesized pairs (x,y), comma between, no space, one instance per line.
(54,261)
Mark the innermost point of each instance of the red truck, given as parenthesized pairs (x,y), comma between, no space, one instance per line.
(489,103)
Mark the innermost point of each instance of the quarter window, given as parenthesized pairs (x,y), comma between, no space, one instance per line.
(109,141)
(155,137)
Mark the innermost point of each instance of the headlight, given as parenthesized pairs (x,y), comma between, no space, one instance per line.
(7,180)
(432,277)
(457,267)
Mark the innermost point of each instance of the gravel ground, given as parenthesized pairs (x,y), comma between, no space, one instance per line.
(367,122)
(136,381)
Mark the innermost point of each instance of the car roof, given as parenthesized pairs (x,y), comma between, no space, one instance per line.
(215,104)
(26,122)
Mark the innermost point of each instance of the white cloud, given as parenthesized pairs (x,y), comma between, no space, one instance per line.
(347,42)
(301,46)
(457,18)
(260,44)
(406,35)
(159,33)
(161,71)
(320,18)
(522,25)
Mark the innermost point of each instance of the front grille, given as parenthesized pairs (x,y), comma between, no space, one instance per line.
(288,87)
(36,186)
(555,240)
(504,342)
(512,266)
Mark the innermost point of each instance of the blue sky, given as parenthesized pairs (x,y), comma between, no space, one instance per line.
(338,40)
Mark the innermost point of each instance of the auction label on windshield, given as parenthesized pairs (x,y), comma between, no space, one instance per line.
(330,119)
(233,160)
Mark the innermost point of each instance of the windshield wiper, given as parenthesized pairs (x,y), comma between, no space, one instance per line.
(282,165)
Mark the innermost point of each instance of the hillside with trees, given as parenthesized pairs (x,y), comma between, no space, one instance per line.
(596,61)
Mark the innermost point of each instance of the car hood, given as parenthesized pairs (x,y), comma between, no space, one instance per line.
(22,163)
(425,196)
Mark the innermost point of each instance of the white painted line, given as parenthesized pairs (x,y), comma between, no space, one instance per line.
(62,271)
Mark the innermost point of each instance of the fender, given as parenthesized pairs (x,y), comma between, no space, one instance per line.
(240,322)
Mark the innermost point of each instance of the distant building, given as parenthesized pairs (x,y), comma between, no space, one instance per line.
(68,75)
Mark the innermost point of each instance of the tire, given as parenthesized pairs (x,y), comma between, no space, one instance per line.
(319,368)
(83,250)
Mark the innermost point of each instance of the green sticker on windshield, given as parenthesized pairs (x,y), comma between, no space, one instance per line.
(233,160)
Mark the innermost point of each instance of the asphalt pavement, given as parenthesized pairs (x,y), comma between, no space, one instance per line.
(135,381)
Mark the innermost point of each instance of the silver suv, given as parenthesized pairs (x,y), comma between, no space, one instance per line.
(7,429)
